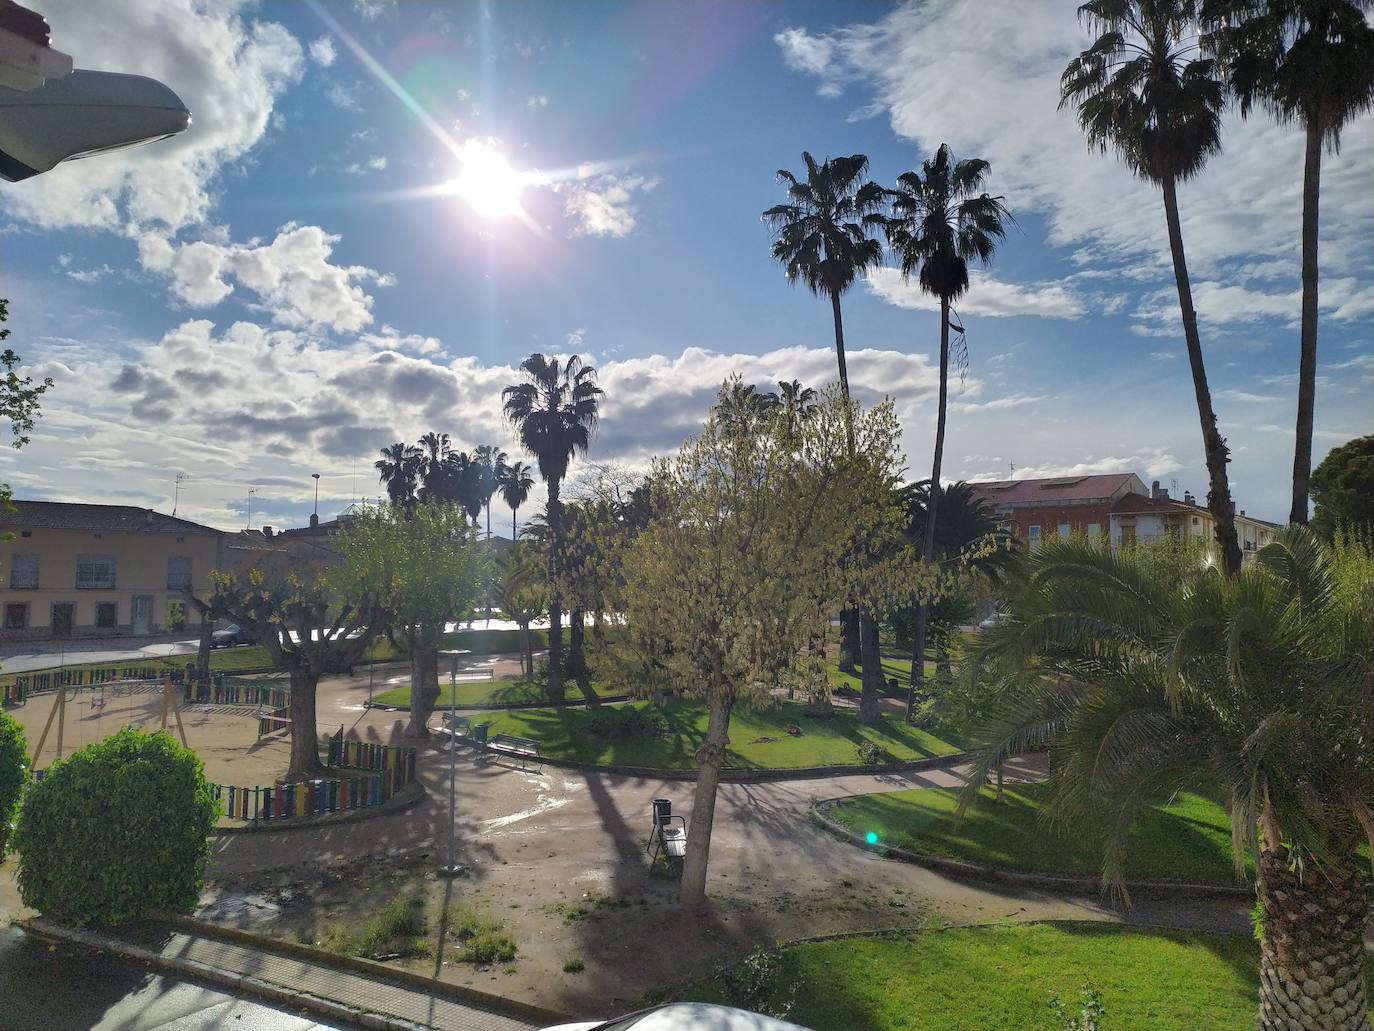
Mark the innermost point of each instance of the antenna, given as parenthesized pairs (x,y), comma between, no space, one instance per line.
(1173,488)
(249,524)
(176,496)
(1012,463)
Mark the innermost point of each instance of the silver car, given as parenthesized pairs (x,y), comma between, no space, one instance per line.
(685,1016)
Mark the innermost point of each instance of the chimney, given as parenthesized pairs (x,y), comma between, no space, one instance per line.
(1188,498)
(1157,492)
(314,520)
(267,531)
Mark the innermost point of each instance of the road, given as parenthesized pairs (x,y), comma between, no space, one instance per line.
(31,655)
(73,990)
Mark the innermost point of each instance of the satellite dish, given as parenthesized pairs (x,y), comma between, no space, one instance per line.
(81,114)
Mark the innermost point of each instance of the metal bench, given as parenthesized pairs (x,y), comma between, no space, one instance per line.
(458,726)
(523,748)
(667,838)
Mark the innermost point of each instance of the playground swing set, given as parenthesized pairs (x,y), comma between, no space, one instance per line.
(170,705)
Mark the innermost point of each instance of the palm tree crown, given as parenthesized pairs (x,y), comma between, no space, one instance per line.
(515,484)
(555,410)
(822,233)
(942,219)
(1144,89)
(399,469)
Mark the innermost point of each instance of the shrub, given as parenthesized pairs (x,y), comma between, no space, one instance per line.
(869,754)
(397,929)
(483,941)
(757,983)
(14,774)
(627,721)
(116,831)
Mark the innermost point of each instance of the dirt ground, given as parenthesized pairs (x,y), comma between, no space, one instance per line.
(558,857)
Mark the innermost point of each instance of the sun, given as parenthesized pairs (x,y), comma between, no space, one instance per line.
(487,182)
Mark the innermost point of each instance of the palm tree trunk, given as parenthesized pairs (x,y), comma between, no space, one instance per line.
(1307,360)
(513,510)
(709,758)
(844,371)
(870,704)
(305,741)
(918,629)
(554,689)
(1213,445)
(851,644)
(1311,945)
(850,647)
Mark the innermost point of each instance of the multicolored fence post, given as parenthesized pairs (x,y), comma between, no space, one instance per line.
(27,684)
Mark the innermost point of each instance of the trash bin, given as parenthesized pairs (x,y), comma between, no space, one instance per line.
(479,734)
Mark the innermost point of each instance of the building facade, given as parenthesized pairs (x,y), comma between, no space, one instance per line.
(75,570)
(1057,506)
(1138,517)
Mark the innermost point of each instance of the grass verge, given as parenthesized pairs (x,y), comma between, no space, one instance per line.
(398,930)
(1187,840)
(979,979)
(482,692)
(758,738)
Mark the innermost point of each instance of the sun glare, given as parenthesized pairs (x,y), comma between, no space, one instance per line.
(487,182)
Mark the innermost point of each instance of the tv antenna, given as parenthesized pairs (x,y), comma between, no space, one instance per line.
(176,496)
(248,525)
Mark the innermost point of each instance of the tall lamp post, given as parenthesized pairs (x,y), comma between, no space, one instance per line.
(317,494)
(452,868)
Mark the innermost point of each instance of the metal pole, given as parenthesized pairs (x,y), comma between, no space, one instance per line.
(453,869)
(371,669)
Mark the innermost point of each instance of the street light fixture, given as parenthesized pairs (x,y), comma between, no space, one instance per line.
(50,113)
(317,495)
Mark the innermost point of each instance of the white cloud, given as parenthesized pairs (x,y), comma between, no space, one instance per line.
(292,277)
(986,296)
(577,337)
(377,163)
(343,97)
(323,52)
(603,204)
(371,10)
(814,55)
(998,403)
(1245,397)
(228,68)
(537,102)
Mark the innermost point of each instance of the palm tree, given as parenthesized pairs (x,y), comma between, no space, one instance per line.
(464,483)
(821,235)
(1143,89)
(515,485)
(521,596)
(1310,62)
(797,403)
(433,469)
(1146,677)
(555,411)
(491,460)
(398,469)
(941,220)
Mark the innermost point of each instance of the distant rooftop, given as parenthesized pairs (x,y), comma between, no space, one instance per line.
(67,515)
(1055,488)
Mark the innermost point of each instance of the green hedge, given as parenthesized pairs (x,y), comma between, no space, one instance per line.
(119,829)
(13,774)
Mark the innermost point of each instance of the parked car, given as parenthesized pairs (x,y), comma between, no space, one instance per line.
(228,636)
(996,619)
(685,1016)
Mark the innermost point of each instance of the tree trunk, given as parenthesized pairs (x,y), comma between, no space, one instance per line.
(513,510)
(1000,777)
(1307,360)
(207,629)
(1311,945)
(850,647)
(844,372)
(709,757)
(577,643)
(870,705)
(529,650)
(918,628)
(1213,444)
(553,690)
(305,741)
(424,690)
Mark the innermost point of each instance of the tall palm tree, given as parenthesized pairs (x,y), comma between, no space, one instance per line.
(942,219)
(515,485)
(464,475)
(1144,90)
(434,451)
(398,470)
(1145,677)
(797,401)
(822,234)
(491,460)
(555,411)
(1310,62)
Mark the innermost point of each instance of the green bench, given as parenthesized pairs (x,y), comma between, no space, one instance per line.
(458,726)
(523,748)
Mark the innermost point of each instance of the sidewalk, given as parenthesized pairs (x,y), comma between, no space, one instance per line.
(329,990)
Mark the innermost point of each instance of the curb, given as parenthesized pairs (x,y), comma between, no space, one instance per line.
(751,775)
(377,971)
(1004,875)
(240,984)
(398,803)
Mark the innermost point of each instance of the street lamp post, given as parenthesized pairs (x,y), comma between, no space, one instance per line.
(317,494)
(452,868)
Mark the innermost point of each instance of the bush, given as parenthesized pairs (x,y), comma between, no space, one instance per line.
(14,774)
(758,983)
(398,929)
(116,831)
(483,941)
(870,754)
(627,721)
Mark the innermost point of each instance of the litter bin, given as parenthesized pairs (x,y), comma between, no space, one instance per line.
(479,734)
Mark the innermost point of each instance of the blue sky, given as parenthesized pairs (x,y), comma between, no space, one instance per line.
(290,285)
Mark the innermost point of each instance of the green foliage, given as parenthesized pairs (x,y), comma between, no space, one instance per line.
(756,983)
(14,774)
(175,619)
(869,754)
(117,830)
(397,930)
(1089,1015)
(627,721)
(19,399)
(573,966)
(484,941)
(1343,489)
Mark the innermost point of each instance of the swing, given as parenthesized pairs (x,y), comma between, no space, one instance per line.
(170,703)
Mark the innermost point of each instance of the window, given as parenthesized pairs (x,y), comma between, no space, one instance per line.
(16,616)
(1197,521)
(1064,530)
(1094,531)
(107,615)
(178,572)
(98,536)
(1033,536)
(1128,533)
(95,572)
(63,618)
(23,570)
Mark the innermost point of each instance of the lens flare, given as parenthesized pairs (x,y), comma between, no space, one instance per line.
(871,838)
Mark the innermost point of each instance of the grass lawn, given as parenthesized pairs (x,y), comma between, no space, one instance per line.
(893,668)
(482,692)
(758,738)
(1188,840)
(1001,978)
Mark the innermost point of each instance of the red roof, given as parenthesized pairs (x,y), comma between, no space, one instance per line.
(1141,503)
(1094,487)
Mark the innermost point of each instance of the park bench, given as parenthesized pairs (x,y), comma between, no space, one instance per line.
(523,748)
(667,838)
(458,726)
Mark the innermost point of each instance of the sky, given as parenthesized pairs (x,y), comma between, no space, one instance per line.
(381,208)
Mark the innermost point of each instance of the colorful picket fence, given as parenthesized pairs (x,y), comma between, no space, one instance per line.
(27,684)
(361,789)
(221,691)
(271,722)
(369,755)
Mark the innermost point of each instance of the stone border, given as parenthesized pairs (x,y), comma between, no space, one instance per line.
(407,798)
(1001,874)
